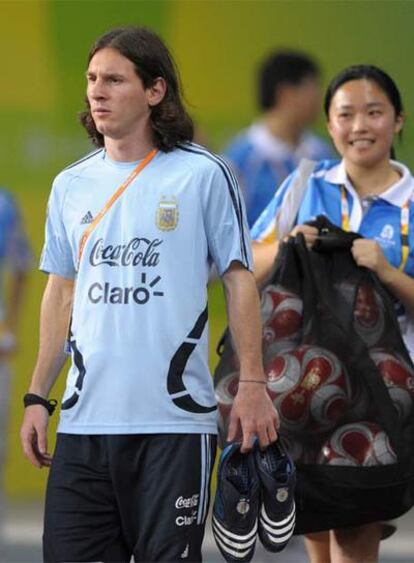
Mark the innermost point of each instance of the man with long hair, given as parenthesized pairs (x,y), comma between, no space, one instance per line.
(138,223)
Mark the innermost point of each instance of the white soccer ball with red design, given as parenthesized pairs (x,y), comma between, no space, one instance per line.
(398,377)
(225,392)
(309,388)
(299,451)
(281,314)
(234,363)
(359,403)
(283,374)
(369,320)
(358,444)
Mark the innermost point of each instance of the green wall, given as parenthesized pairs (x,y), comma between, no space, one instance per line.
(217,44)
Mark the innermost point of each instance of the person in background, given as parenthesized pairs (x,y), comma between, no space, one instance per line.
(16,260)
(370,193)
(288,94)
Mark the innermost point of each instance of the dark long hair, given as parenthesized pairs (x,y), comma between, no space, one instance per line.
(170,122)
(373,74)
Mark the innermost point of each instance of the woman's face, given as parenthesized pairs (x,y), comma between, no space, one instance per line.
(362,123)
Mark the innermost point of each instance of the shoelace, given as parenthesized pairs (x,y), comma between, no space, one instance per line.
(279,467)
(239,478)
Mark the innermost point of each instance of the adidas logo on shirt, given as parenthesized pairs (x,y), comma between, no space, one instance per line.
(88,218)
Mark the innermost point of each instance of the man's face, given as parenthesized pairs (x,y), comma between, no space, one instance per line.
(120,105)
(302,101)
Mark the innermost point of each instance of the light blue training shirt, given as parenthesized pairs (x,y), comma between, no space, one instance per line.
(139,331)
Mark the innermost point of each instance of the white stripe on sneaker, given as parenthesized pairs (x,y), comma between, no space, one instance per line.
(231,535)
(282,539)
(277,532)
(277,523)
(231,543)
(235,554)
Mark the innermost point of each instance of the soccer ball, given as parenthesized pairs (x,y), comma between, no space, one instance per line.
(234,362)
(358,444)
(281,314)
(298,451)
(277,348)
(272,296)
(398,377)
(369,320)
(359,404)
(283,374)
(309,388)
(225,391)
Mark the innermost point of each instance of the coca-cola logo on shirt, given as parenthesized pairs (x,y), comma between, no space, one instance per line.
(139,251)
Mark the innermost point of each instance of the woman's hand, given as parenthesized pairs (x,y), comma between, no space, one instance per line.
(368,253)
(310,234)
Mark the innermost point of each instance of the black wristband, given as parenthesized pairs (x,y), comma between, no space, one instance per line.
(32,399)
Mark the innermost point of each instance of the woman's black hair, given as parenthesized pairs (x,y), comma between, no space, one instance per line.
(170,121)
(366,72)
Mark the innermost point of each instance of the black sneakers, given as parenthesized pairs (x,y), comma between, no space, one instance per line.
(277,475)
(255,493)
(236,505)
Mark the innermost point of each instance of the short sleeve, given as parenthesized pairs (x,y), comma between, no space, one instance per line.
(57,256)
(237,156)
(225,220)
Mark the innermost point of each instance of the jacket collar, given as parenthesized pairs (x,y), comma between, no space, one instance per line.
(397,194)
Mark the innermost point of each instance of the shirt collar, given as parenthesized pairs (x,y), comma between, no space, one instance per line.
(273,147)
(396,195)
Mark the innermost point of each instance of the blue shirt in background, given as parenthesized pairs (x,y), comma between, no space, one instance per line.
(262,162)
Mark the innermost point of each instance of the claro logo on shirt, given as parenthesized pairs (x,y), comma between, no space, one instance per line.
(138,251)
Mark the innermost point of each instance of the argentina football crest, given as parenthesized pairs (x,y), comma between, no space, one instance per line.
(167,214)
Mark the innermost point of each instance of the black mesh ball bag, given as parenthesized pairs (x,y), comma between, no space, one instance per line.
(342,380)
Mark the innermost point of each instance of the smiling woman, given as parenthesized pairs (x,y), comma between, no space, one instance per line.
(369,193)
(364,112)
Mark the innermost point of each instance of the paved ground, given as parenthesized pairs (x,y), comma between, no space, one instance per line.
(22,532)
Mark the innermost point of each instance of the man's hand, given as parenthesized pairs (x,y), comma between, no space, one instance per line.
(33,435)
(54,319)
(310,233)
(254,413)
(368,253)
